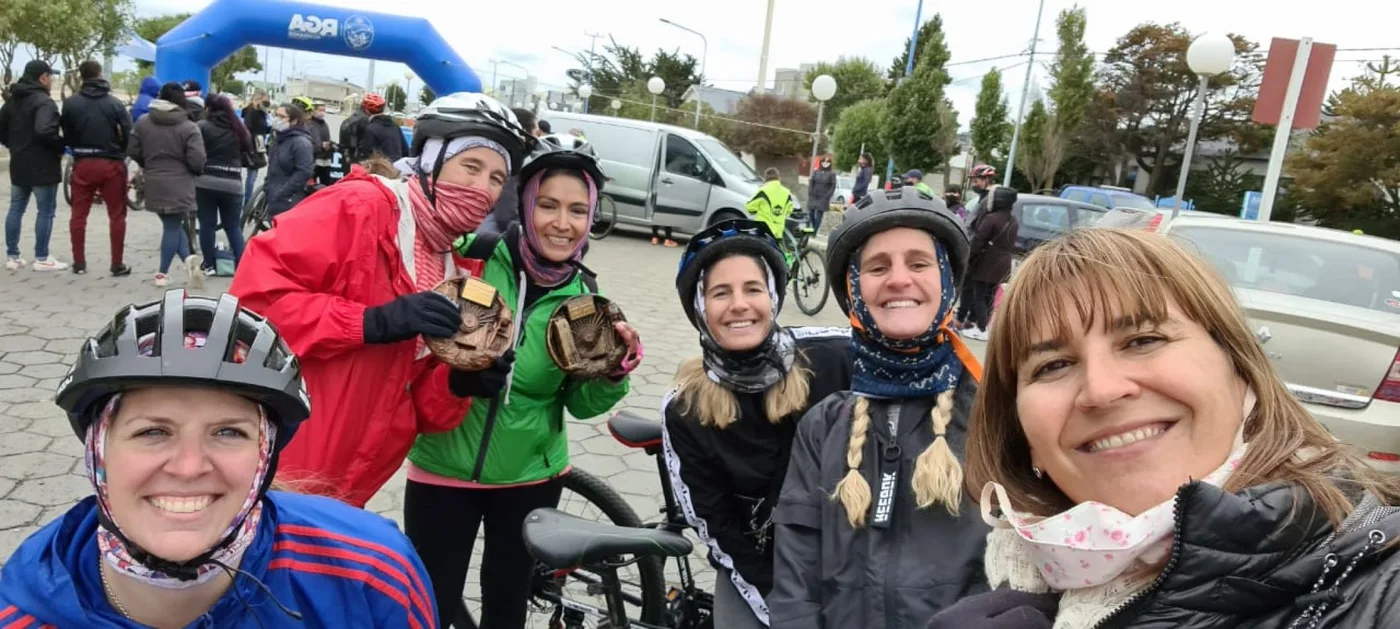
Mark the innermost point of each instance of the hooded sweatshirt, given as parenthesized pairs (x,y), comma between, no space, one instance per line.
(150,90)
(95,124)
(336,565)
(29,128)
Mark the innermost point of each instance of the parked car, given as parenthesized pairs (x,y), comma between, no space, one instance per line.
(844,183)
(1325,306)
(666,175)
(1107,197)
(1151,220)
(1045,218)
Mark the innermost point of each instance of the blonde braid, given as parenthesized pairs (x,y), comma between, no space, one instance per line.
(853,491)
(937,475)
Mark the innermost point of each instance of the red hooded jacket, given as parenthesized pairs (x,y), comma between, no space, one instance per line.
(313,276)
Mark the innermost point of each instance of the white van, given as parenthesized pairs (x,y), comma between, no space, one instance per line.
(662,175)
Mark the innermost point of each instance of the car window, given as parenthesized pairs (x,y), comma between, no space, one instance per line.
(1088,217)
(616,143)
(727,160)
(1046,217)
(1336,272)
(682,158)
(1081,196)
(1100,199)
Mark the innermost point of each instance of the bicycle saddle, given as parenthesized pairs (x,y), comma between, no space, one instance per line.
(635,430)
(562,541)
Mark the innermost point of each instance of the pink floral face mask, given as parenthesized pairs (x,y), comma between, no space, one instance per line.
(1093,543)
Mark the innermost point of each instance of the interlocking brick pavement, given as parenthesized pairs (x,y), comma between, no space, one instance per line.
(45,316)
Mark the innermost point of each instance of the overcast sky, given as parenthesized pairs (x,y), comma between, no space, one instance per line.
(817,30)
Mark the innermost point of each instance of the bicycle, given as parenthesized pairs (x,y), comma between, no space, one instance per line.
(806,268)
(565,545)
(605,221)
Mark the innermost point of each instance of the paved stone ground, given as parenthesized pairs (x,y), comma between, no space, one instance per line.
(45,316)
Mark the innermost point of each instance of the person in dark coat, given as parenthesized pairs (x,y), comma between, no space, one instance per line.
(170,149)
(218,192)
(321,143)
(728,436)
(383,136)
(194,99)
(864,177)
(989,263)
(292,160)
(97,128)
(873,528)
(29,127)
(820,188)
(150,90)
(1161,473)
(255,119)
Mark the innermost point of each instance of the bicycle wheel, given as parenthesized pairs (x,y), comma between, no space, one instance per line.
(255,220)
(606,219)
(135,187)
(809,282)
(643,583)
(68,181)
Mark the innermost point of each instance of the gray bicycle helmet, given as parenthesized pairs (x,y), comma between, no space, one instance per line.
(114,360)
(882,210)
(565,151)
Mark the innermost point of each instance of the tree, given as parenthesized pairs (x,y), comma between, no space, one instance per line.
(1221,186)
(395,97)
(857,79)
(127,81)
(10,17)
(990,128)
(945,139)
(426,95)
(1153,88)
(914,120)
(68,32)
(930,31)
(1072,73)
(617,68)
(220,76)
(1348,173)
(786,126)
(860,125)
(1029,158)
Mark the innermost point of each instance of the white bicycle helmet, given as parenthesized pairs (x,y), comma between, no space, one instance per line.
(468,113)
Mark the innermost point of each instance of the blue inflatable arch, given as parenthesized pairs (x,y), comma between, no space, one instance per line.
(189,50)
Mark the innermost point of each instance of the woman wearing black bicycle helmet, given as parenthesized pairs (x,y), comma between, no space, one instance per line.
(731,418)
(348,276)
(841,561)
(184,406)
(508,454)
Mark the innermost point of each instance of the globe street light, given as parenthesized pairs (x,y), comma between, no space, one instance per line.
(1209,55)
(585,92)
(615,105)
(823,87)
(656,85)
(704,55)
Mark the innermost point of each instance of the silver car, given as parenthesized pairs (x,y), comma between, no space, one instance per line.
(1325,306)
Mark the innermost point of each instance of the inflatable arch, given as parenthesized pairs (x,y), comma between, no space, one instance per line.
(189,50)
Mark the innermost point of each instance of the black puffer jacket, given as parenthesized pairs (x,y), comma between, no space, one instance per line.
(289,166)
(727,479)
(29,127)
(222,148)
(828,576)
(1241,561)
(993,237)
(382,135)
(95,123)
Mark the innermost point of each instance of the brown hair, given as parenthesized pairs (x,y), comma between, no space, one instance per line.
(1101,274)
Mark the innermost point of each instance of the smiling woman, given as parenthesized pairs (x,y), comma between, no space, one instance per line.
(1140,458)
(184,407)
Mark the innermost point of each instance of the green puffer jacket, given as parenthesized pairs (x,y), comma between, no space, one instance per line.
(528,441)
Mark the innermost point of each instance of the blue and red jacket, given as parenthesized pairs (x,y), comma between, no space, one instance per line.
(336,565)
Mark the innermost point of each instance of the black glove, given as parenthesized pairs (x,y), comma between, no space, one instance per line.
(426,313)
(485,383)
(1000,609)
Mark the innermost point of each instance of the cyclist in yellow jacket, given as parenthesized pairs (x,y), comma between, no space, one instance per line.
(772,204)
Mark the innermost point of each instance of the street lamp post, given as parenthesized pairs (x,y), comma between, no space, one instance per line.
(616,106)
(585,92)
(704,55)
(408,91)
(823,88)
(1209,55)
(1025,94)
(656,85)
